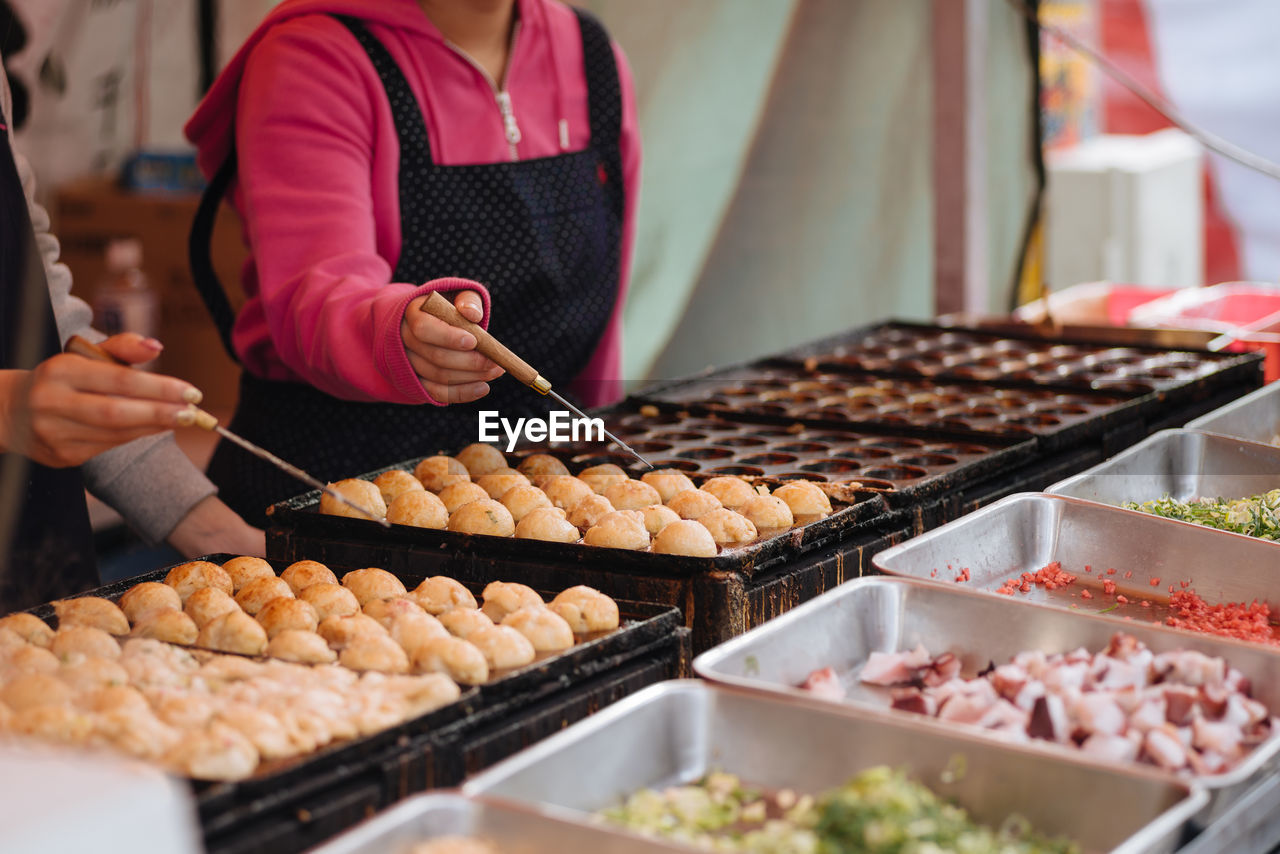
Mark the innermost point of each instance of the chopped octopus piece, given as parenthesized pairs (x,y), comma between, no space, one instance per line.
(824,683)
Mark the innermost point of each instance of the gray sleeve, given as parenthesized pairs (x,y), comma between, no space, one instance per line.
(150,481)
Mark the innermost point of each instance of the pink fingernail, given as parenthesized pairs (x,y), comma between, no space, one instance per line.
(152,344)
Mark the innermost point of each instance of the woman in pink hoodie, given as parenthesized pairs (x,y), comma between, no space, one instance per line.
(380,151)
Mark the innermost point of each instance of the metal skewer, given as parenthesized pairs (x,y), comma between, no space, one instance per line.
(204,420)
(437,306)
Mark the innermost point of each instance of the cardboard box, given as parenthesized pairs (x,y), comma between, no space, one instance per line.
(88,214)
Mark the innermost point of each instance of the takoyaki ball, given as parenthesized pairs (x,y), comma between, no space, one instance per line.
(586,609)
(545,629)
(480,458)
(631,494)
(539,467)
(10,641)
(440,593)
(439,472)
(621,529)
(394,483)
(304,573)
(668,482)
(35,689)
(245,569)
(195,575)
(86,641)
(87,675)
(209,604)
(286,613)
(685,537)
(728,527)
(115,698)
(385,610)
(359,492)
(503,647)
(503,597)
(418,509)
(147,598)
(455,845)
(693,503)
(549,524)
(29,627)
(657,517)
(53,723)
(256,594)
(29,659)
(485,516)
(234,632)
(601,477)
(589,510)
(733,492)
(461,622)
(374,652)
(217,752)
(413,630)
(92,611)
(521,500)
(768,511)
(460,660)
(460,495)
(804,498)
(340,631)
(171,626)
(330,600)
(371,583)
(565,491)
(301,647)
(497,482)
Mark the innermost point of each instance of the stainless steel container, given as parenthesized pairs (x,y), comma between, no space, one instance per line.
(841,628)
(513,829)
(1255,417)
(1024,532)
(677,731)
(1182,464)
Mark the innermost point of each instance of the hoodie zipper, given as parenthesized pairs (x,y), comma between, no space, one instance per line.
(510,128)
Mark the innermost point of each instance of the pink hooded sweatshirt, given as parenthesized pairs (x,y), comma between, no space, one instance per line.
(317,182)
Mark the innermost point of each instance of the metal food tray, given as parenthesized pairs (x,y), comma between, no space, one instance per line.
(958,353)
(300,516)
(512,828)
(1255,417)
(1181,464)
(962,409)
(675,732)
(841,628)
(1149,554)
(222,804)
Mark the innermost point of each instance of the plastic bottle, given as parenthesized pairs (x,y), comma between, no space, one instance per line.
(125,301)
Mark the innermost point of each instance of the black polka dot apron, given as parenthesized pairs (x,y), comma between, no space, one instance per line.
(543,235)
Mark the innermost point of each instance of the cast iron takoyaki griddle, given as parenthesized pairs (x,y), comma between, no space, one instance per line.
(906,349)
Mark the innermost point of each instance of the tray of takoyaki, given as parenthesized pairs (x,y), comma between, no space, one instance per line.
(1255,417)
(447,823)
(961,410)
(1219,481)
(909,349)
(583,512)
(1112,691)
(686,761)
(223,670)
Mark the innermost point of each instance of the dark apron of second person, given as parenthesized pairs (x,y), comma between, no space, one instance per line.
(50,554)
(543,235)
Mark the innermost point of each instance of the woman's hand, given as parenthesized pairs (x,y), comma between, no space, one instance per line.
(443,356)
(69,408)
(212,526)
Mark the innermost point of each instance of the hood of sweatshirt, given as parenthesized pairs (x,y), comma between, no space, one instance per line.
(211,127)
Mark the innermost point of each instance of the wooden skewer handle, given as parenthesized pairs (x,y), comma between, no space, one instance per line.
(85,347)
(438,306)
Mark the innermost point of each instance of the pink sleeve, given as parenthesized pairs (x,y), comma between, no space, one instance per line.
(601,381)
(305,141)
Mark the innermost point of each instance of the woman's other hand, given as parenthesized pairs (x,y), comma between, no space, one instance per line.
(211,526)
(69,408)
(444,357)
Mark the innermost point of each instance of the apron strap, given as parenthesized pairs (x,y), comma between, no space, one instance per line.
(200,255)
(604,103)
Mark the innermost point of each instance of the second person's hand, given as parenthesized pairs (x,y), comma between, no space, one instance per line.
(444,357)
